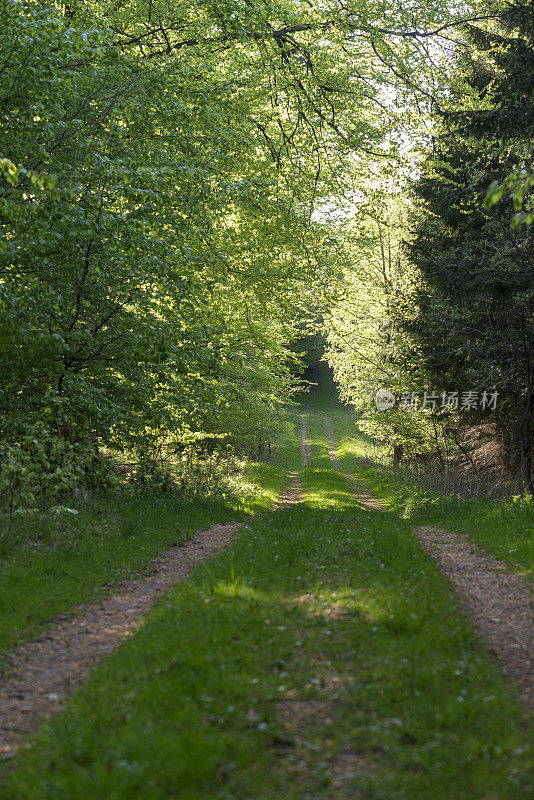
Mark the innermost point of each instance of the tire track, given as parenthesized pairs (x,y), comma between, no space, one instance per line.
(45,672)
(499,605)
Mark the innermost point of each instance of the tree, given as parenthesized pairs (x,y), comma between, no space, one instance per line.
(474,298)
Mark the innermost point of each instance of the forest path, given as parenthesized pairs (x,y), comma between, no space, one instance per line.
(322,656)
(304,445)
(292,494)
(499,605)
(366,499)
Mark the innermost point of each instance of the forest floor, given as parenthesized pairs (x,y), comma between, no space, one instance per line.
(325,654)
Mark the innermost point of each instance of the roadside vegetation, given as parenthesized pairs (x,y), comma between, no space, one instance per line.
(52,563)
(495,518)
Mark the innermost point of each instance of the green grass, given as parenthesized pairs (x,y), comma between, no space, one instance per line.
(50,565)
(502,527)
(65,562)
(324,631)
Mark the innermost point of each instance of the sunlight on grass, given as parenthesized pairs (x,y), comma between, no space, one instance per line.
(326,488)
(369,603)
(260,485)
(236,588)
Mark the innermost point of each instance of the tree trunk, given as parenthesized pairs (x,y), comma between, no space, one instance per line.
(526,443)
(398,454)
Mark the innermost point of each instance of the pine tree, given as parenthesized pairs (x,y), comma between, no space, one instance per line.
(475,300)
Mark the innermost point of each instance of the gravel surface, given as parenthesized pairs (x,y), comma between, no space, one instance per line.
(500,605)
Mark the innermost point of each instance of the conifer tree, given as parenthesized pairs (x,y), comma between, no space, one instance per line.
(475,298)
